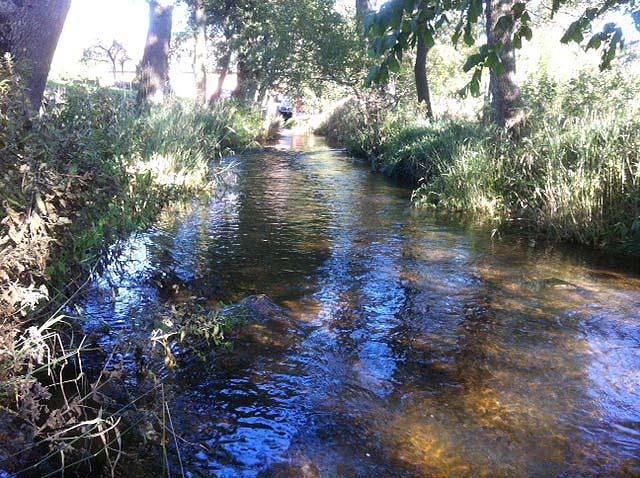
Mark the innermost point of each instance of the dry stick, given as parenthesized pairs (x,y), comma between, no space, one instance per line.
(173,433)
(164,437)
(76,439)
(82,460)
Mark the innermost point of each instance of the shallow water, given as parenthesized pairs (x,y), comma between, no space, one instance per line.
(424,349)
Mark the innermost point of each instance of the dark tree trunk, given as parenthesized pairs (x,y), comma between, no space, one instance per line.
(29,30)
(245,87)
(223,71)
(420,71)
(201,52)
(506,101)
(363,8)
(154,68)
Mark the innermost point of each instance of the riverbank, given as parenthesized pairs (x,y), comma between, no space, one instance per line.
(571,175)
(413,344)
(90,169)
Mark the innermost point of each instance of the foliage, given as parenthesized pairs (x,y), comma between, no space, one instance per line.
(361,124)
(289,45)
(88,170)
(412,152)
(575,177)
(397,26)
(91,168)
(192,329)
(115,54)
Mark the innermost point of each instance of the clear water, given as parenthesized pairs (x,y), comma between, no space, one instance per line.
(424,349)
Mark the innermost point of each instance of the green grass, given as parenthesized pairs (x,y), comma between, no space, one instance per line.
(90,169)
(104,167)
(573,176)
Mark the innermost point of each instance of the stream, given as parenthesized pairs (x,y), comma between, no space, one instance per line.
(422,348)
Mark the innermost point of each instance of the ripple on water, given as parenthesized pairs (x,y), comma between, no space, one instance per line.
(426,351)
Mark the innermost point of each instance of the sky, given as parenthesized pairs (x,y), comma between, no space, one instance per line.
(90,21)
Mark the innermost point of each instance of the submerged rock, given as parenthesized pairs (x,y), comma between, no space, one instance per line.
(265,323)
(171,286)
(549,283)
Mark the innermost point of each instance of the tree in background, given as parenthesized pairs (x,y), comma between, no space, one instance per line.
(399,25)
(278,44)
(418,32)
(506,100)
(29,31)
(114,54)
(420,75)
(154,68)
(200,60)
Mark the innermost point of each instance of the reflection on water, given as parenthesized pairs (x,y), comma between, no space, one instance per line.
(427,351)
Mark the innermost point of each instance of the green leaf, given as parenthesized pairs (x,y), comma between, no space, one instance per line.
(504,23)
(429,40)
(455,38)
(376,46)
(518,9)
(473,61)
(396,17)
(494,63)
(393,64)
(636,19)
(474,86)
(468,38)
(389,42)
(573,33)
(383,76)
(475,9)
(369,21)
(595,42)
(372,77)
(409,5)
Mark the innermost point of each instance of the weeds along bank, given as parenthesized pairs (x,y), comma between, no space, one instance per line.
(573,173)
(90,169)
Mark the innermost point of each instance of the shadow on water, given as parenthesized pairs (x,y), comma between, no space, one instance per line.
(424,350)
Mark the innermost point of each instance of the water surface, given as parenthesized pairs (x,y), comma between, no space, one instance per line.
(424,349)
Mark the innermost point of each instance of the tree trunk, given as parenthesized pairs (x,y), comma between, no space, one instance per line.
(224,70)
(420,71)
(244,88)
(506,101)
(201,52)
(29,30)
(154,68)
(363,8)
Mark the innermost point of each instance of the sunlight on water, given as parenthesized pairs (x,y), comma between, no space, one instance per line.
(423,350)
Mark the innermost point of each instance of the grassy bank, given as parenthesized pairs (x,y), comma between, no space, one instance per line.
(88,170)
(573,175)
(91,168)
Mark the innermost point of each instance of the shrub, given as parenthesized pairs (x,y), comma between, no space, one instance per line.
(89,169)
(574,177)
